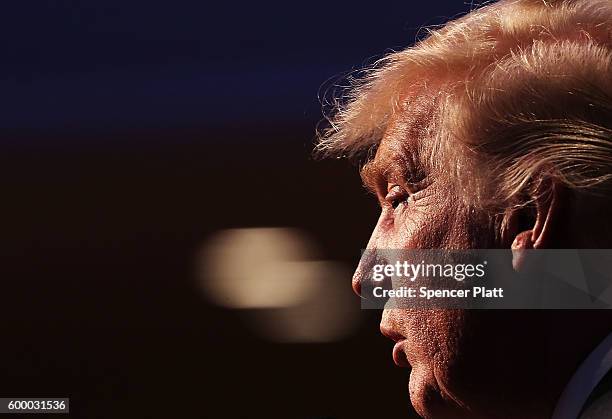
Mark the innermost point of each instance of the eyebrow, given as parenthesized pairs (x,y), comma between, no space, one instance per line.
(373,178)
(377,173)
(402,167)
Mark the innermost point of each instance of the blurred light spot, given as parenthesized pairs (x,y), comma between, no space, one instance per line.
(271,269)
(256,268)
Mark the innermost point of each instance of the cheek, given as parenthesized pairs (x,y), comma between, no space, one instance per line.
(436,222)
(428,224)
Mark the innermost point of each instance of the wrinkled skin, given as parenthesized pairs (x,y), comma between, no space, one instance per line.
(467,364)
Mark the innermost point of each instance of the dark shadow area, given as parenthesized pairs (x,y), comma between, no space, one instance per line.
(132,132)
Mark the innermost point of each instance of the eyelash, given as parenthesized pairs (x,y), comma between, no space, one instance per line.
(397,203)
(396,196)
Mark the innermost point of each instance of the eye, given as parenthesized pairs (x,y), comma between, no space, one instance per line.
(396,196)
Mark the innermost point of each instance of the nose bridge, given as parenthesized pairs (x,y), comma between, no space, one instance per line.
(369,257)
(361,272)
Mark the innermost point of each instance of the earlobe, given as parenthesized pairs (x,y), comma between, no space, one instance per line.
(522,242)
(517,232)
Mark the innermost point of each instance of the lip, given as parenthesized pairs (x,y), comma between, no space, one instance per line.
(399,355)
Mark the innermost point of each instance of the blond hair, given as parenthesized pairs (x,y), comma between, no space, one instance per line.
(523,89)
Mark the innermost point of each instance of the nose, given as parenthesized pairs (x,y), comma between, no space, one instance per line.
(356,281)
(368,259)
(363,271)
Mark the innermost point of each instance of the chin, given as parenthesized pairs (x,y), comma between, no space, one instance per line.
(428,399)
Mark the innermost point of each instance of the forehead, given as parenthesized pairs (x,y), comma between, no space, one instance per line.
(410,134)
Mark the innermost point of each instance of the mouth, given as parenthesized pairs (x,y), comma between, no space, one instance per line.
(399,354)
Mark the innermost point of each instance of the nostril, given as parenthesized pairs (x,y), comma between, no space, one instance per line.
(363,278)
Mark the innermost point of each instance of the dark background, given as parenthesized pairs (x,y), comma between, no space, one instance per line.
(132,131)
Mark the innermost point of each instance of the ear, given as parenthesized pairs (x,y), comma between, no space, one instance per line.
(535,226)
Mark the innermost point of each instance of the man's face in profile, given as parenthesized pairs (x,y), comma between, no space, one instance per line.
(464,363)
(420,210)
(491,133)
